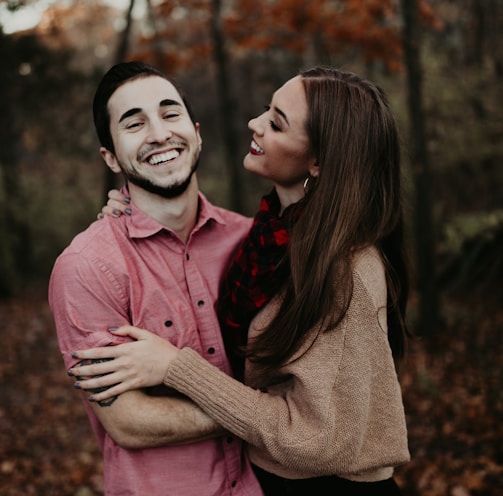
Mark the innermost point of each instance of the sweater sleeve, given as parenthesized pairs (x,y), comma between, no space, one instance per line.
(318,421)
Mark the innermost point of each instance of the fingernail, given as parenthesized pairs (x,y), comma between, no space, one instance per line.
(77,386)
(116,212)
(74,355)
(128,211)
(70,373)
(113,329)
(127,199)
(91,398)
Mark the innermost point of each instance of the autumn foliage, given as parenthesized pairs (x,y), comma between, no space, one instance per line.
(320,29)
(50,189)
(452,395)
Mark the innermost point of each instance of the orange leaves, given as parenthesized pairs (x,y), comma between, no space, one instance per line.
(180,34)
(321,27)
(428,16)
(370,25)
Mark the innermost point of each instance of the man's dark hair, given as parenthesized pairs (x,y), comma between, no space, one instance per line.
(116,76)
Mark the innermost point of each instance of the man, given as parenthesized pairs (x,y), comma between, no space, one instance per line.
(159,269)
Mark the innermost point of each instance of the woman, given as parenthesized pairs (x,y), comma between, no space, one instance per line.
(317,293)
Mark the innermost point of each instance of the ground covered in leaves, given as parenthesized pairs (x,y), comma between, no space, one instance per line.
(453,394)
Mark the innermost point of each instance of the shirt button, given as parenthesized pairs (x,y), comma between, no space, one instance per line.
(229,440)
(200,303)
(211,350)
(233,483)
(187,256)
(168,323)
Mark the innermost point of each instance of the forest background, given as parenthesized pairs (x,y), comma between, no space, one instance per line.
(441,64)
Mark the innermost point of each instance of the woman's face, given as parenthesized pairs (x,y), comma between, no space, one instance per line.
(279,150)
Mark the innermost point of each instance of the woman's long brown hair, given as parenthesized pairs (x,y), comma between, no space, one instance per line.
(354,202)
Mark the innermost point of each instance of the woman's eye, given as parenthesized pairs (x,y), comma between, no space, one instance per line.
(274,126)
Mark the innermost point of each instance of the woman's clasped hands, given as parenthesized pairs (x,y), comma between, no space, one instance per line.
(139,364)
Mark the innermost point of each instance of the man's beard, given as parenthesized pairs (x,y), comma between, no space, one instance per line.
(171,191)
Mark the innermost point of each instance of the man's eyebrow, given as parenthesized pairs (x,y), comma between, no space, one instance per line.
(282,114)
(168,103)
(129,113)
(136,110)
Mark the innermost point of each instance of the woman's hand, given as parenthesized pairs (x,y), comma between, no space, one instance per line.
(135,365)
(117,205)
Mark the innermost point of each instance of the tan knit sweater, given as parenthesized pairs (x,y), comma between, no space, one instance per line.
(340,411)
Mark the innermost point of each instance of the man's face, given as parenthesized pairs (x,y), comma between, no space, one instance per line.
(157,145)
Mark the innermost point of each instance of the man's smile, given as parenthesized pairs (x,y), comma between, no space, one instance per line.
(164,157)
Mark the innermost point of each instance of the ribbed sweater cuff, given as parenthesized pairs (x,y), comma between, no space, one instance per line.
(226,400)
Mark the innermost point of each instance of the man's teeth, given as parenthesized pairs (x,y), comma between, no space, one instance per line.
(163,157)
(256,148)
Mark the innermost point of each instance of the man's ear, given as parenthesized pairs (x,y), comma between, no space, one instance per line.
(110,160)
(198,134)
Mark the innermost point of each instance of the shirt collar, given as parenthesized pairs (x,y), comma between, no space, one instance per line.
(141,225)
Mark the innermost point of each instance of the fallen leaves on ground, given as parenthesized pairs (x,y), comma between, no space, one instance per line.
(452,387)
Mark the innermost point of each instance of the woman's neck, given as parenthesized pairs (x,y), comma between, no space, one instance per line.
(289,195)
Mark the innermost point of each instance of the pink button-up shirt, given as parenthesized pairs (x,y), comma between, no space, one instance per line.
(134,270)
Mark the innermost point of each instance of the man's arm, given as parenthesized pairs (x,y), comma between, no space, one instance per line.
(83,305)
(153,421)
(136,420)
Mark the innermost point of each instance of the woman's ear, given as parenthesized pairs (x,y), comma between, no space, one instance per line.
(314,169)
(110,159)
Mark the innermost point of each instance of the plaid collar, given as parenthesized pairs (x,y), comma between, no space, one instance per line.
(257,273)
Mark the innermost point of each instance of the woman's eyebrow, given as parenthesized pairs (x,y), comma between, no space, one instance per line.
(282,114)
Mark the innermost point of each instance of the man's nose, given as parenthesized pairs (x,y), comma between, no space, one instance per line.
(159,131)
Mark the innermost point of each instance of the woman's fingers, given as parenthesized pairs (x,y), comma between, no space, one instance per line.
(104,383)
(103,352)
(101,389)
(115,194)
(117,205)
(123,377)
(83,382)
(140,363)
(113,351)
(133,332)
(93,367)
(107,393)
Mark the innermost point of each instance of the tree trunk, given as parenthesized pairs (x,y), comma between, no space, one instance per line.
(428,315)
(226,108)
(157,42)
(16,252)
(120,56)
(15,246)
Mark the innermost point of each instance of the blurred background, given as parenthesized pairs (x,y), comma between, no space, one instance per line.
(441,64)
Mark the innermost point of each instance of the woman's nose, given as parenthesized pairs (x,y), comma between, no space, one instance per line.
(255,125)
